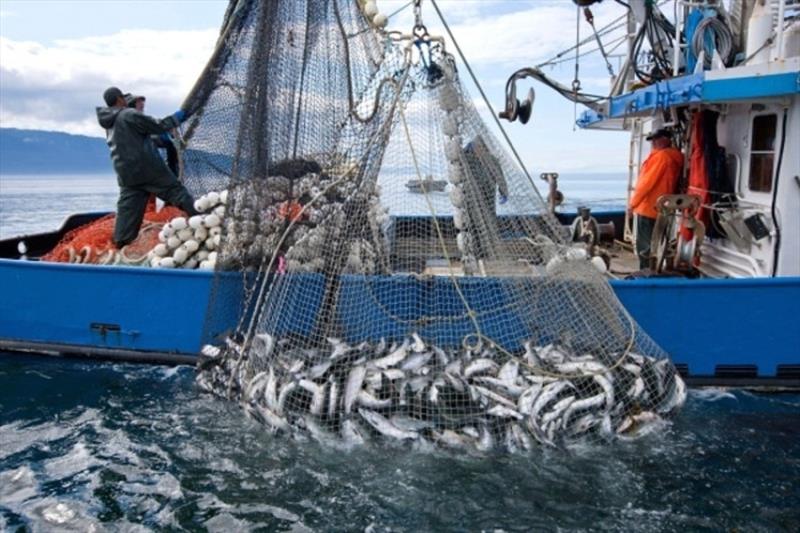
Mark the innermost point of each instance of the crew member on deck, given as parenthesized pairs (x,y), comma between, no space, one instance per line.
(659,176)
(140,170)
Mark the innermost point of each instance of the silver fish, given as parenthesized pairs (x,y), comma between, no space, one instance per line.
(394,357)
(493,396)
(479,366)
(283,395)
(579,405)
(511,388)
(418,345)
(605,383)
(557,410)
(408,423)
(255,385)
(441,357)
(452,439)
(352,433)
(318,370)
(485,440)
(454,368)
(355,380)
(263,344)
(317,396)
(416,361)
(526,399)
(509,371)
(368,400)
(385,427)
(271,419)
(502,411)
(333,396)
(521,437)
(393,374)
(549,392)
(271,391)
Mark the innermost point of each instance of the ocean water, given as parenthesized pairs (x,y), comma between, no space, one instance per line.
(90,446)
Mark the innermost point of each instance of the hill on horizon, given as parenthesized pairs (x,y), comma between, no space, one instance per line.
(51,152)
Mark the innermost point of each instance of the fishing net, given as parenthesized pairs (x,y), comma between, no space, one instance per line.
(461,318)
(93,242)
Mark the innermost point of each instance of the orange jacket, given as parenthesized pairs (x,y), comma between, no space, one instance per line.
(659,176)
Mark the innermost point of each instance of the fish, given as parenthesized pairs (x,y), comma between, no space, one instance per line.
(419,345)
(452,439)
(441,356)
(385,427)
(368,400)
(271,391)
(283,395)
(511,388)
(317,396)
(509,371)
(333,396)
(394,358)
(416,361)
(489,395)
(526,399)
(677,397)
(354,382)
(408,423)
(263,344)
(393,374)
(254,387)
(274,421)
(352,434)
(485,441)
(340,348)
(479,366)
(605,383)
(502,411)
(579,405)
(549,393)
(319,370)
(521,438)
(557,410)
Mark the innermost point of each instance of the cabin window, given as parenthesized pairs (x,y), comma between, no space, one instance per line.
(762,152)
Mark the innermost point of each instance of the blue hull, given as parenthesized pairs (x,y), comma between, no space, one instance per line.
(160,315)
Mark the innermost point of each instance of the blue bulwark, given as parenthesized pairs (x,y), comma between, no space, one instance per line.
(694,89)
(765,86)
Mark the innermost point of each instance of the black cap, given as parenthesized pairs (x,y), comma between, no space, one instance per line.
(660,133)
(110,95)
(131,99)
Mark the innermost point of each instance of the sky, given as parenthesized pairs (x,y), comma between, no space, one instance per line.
(57,57)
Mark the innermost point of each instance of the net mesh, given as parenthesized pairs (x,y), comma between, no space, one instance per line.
(458,315)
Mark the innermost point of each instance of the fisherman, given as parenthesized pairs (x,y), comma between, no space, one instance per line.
(163,141)
(483,178)
(140,170)
(659,176)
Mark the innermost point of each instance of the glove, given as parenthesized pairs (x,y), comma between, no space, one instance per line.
(179,115)
(503,198)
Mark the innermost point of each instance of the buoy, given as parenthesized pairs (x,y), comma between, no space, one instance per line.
(178,223)
(196,222)
(173,242)
(191,245)
(161,250)
(213,199)
(211,221)
(599,264)
(200,234)
(201,204)
(370,9)
(219,211)
(380,20)
(185,234)
(180,255)
(166,262)
(223,197)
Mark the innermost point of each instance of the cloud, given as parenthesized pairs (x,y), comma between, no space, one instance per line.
(58,86)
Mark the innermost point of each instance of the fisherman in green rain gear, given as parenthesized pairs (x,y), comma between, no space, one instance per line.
(141,171)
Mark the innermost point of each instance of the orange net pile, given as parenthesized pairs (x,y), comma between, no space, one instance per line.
(93,243)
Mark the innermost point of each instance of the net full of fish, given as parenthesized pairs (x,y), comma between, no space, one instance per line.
(470,398)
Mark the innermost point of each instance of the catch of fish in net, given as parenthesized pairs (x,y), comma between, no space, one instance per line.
(463,318)
(471,398)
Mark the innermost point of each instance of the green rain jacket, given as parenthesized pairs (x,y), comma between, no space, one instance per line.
(134,155)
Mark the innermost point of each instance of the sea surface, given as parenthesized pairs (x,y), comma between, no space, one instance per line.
(89,446)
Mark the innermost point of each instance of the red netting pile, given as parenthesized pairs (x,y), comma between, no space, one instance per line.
(92,243)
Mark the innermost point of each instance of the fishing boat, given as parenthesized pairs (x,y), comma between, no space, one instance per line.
(723,304)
